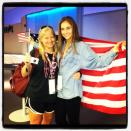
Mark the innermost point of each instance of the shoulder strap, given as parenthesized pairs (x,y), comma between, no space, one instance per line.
(36,52)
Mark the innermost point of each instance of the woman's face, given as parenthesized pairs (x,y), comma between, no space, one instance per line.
(48,39)
(66,30)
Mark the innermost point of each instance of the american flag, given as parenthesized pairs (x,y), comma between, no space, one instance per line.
(23,37)
(104,89)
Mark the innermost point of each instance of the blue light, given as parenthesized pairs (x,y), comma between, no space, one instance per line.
(52,11)
(50,17)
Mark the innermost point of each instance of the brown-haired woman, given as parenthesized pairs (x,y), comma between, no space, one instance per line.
(73,54)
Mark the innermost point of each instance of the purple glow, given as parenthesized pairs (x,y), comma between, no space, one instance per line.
(14,16)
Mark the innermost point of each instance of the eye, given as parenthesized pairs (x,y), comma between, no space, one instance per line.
(62,29)
(52,36)
(46,38)
(68,28)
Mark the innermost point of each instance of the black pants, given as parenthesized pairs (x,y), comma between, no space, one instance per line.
(67,111)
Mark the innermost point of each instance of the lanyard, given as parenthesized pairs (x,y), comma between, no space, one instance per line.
(53,58)
(52,65)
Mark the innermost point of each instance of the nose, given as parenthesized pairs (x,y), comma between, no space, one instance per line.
(66,31)
(51,39)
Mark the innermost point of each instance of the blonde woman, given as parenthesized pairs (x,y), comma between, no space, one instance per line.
(41,96)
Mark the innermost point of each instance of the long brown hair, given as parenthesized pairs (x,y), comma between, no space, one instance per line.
(42,32)
(75,35)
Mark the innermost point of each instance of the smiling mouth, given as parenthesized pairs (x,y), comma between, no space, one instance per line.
(66,35)
(51,44)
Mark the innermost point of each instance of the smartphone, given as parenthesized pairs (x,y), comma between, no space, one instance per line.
(34,60)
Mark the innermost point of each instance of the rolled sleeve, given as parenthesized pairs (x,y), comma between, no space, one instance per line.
(89,59)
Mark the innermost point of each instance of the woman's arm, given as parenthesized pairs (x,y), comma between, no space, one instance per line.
(89,59)
(26,69)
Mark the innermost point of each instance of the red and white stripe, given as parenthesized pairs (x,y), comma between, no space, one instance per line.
(22,37)
(104,89)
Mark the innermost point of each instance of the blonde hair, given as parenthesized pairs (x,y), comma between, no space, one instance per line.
(42,32)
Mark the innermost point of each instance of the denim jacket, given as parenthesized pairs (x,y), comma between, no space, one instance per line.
(73,62)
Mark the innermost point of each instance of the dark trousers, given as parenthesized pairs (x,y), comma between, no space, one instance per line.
(67,111)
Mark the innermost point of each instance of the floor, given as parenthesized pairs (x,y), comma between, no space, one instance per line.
(88,118)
